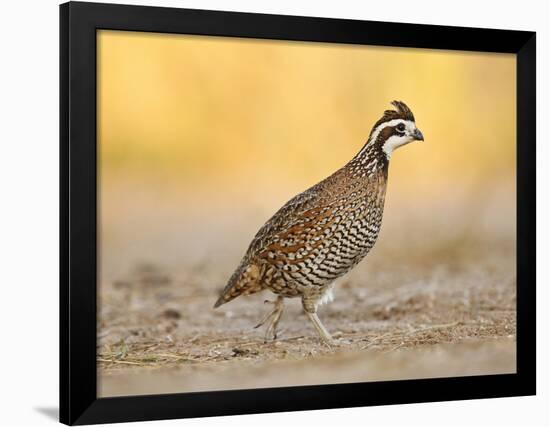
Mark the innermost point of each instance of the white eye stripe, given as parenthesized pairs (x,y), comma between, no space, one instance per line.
(393,122)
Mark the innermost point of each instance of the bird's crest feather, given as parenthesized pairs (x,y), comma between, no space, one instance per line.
(401,112)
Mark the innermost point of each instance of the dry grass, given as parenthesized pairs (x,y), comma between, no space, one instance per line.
(152,321)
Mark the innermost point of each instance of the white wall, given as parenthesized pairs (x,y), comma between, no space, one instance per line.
(29,225)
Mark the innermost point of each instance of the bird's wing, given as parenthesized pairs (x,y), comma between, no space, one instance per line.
(302,209)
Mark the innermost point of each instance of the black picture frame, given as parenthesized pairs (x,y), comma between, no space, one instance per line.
(79,22)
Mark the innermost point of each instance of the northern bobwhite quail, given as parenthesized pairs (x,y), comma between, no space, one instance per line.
(322,233)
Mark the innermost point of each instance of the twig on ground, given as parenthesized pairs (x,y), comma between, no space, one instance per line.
(376,339)
(124,362)
(431,327)
(396,347)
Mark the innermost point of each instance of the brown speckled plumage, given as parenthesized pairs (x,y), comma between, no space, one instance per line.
(322,233)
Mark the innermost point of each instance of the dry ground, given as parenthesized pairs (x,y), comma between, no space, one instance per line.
(444,310)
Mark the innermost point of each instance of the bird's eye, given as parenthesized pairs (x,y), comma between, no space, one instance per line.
(400,127)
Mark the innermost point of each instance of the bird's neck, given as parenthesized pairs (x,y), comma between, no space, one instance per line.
(370,159)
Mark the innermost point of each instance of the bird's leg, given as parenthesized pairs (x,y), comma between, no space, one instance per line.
(321,330)
(311,311)
(274,316)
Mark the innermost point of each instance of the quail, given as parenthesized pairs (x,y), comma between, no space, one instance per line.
(321,234)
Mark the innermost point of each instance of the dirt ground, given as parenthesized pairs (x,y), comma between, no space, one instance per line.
(443,310)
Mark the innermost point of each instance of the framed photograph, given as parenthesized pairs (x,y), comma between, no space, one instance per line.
(268,213)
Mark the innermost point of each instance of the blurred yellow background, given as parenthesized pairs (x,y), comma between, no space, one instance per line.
(214,130)
(201,139)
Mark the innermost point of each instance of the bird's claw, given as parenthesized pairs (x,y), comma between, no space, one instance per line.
(332,343)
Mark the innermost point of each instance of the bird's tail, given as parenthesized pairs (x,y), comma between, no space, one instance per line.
(244,281)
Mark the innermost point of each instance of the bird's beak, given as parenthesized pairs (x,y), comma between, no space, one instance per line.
(418,135)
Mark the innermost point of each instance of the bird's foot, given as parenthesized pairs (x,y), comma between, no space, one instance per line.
(267,316)
(324,335)
(330,343)
(273,316)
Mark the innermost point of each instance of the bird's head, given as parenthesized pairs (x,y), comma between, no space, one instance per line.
(395,129)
